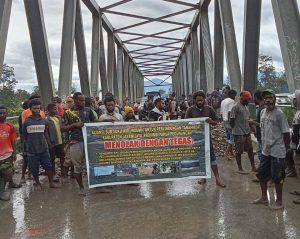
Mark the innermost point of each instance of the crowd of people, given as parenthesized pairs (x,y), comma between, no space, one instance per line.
(56,133)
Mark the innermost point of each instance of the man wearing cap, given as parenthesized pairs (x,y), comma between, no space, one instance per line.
(241,131)
(275,142)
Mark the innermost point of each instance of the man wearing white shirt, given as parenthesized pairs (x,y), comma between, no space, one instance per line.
(110,115)
(226,107)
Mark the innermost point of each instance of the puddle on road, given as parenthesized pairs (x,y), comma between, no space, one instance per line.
(146,190)
(182,188)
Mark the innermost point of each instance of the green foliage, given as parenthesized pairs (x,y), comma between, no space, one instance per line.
(289,113)
(36,90)
(8,96)
(268,77)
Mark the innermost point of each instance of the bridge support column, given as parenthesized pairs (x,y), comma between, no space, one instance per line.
(5,9)
(232,57)
(95,57)
(102,62)
(67,48)
(120,71)
(196,61)
(178,79)
(135,72)
(288,27)
(130,81)
(218,59)
(126,74)
(181,87)
(40,49)
(189,68)
(203,79)
(115,80)
(251,44)
(81,52)
(110,60)
(207,48)
(184,71)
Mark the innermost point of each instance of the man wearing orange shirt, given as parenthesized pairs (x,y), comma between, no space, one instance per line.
(7,153)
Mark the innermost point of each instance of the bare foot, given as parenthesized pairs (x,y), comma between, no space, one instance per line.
(262,201)
(38,187)
(202,182)
(277,206)
(220,184)
(82,192)
(254,170)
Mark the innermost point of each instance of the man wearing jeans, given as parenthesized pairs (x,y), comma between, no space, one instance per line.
(275,142)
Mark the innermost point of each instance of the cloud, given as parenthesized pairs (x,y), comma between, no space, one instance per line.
(19,53)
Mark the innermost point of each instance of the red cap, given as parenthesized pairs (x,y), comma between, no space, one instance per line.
(245,95)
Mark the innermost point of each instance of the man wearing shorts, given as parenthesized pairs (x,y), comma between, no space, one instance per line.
(198,110)
(275,142)
(34,129)
(7,153)
(241,131)
(73,121)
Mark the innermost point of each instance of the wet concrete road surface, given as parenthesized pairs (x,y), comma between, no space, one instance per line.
(168,210)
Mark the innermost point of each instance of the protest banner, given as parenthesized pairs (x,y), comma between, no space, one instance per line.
(134,152)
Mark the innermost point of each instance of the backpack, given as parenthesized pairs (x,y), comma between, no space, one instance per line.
(216,99)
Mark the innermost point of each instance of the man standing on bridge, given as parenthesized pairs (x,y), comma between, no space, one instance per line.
(239,121)
(158,113)
(73,121)
(275,137)
(198,110)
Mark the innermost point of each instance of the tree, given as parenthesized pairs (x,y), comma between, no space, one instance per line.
(268,77)
(8,79)
(8,97)
(36,90)
(22,95)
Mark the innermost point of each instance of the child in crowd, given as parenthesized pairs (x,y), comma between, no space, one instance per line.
(54,138)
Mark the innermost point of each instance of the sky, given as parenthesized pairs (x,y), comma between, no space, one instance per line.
(19,53)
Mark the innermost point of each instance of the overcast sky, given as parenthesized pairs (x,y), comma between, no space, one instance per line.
(19,53)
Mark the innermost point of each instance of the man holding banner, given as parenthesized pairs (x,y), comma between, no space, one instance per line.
(73,121)
(199,110)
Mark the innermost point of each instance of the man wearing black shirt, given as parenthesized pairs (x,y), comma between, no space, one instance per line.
(158,113)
